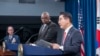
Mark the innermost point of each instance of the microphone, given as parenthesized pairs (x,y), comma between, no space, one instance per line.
(19,29)
(31,38)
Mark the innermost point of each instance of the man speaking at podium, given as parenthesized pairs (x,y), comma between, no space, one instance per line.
(71,39)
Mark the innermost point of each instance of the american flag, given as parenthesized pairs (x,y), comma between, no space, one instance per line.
(81,27)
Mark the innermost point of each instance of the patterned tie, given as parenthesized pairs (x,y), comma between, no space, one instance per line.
(64,37)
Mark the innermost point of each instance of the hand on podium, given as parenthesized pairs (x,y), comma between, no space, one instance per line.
(55,46)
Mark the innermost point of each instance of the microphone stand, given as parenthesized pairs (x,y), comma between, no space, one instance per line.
(31,38)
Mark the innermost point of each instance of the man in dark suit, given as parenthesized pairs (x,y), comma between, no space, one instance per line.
(71,39)
(48,30)
(11,38)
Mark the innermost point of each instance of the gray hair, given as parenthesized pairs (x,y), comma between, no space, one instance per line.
(45,13)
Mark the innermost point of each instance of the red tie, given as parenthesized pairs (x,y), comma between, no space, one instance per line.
(64,37)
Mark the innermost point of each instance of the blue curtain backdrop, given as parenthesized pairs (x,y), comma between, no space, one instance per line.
(89,17)
(72,7)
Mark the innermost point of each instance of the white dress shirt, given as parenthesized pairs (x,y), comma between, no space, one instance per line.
(66,30)
(98,51)
(10,37)
(43,27)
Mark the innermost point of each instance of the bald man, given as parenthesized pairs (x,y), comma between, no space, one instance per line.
(48,30)
(11,38)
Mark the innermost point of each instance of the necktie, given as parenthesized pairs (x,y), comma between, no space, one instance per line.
(43,27)
(64,37)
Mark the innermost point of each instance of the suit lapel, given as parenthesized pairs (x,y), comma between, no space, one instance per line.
(70,33)
(45,31)
(47,27)
(42,33)
(40,30)
(10,40)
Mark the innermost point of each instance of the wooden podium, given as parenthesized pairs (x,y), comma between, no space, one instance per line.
(7,53)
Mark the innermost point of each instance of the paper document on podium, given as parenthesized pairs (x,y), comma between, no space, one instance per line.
(43,43)
(33,44)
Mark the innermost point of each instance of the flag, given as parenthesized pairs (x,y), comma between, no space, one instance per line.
(98,37)
(98,30)
(81,27)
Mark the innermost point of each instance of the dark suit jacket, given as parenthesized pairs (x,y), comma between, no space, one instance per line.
(16,37)
(72,43)
(50,32)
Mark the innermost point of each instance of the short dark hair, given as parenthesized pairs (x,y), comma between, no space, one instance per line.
(67,14)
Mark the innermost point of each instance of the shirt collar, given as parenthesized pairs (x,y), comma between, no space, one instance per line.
(10,36)
(67,29)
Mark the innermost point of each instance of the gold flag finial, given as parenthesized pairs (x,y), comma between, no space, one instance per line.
(3,46)
(20,50)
